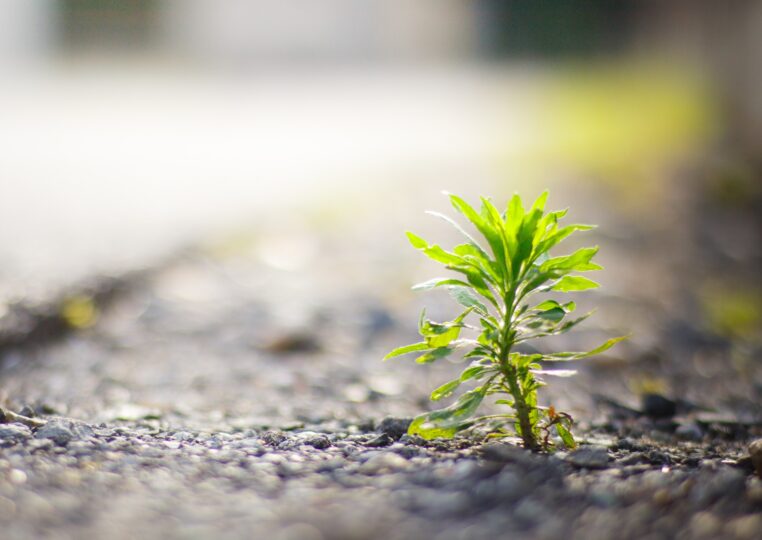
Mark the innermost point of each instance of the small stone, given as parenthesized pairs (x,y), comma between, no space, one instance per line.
(627,443)
(394,427)
(58,433)
(406,451)
(273,438)
(382,440)
(11,434)
(634,458)
(589,457)
(321,442)
(416,440)
(657,457)
(755,452)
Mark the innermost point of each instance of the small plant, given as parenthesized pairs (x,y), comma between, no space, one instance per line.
(498,287)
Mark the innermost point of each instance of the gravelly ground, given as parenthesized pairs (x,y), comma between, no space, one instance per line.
(227,397)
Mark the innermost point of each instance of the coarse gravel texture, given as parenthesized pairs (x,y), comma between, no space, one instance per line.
(240,394)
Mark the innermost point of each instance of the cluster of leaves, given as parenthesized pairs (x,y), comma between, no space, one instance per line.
(498,286)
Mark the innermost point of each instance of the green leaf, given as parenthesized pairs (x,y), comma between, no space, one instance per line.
(478,352)
(539,203)
(523,361)
(546,305)
(476,281)
(416,241)
(554,314)
(439,255)
(488,230)
(549,328)
(574,283)
(525,240)
(578,261)
(444,339)
(566,356)
(474,372)
(514,214)
(438,282)
(479,261)
(503,244)
(415,347)
(466,298)
(461,230)
(435,252)
(557,236)
(566,436)
(555,372)
(434,355)
(568,325)
(445,390)
(447,422)
(441,334)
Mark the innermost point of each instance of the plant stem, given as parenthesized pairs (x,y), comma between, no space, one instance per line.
(508,335)
(522,410)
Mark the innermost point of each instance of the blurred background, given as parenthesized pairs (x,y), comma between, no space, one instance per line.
(129,130)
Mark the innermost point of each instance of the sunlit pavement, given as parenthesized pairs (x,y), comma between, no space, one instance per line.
(106,167)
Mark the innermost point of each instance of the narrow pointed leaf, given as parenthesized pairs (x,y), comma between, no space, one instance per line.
(447,422)
(438,282)
(415,347)
(566,436)
(461,230)
(574,283)
(468,299)
(579,261)
(474,372)
(416,241)
(553,314)
(555,372)
(490,233)
(539,203)
(445,390)
(566,356)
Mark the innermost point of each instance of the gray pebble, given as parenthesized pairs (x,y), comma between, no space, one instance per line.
(382,440)
(321,442)
(394,427)
(589,457)
(55,431)
(11,434)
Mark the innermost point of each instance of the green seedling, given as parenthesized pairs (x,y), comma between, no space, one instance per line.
(499,286)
